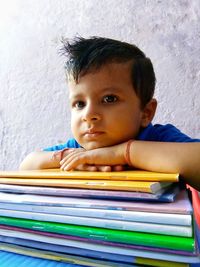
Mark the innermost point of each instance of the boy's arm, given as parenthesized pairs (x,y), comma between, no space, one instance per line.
(40,160)
(182,158)
(47,160)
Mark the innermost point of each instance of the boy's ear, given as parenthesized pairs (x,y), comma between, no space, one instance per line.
(149,112)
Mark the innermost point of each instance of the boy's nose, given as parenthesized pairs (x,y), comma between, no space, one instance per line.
(91,115)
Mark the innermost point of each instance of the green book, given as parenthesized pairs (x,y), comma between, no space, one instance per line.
(119,236)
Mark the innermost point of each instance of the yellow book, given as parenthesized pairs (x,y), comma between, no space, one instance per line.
(130,175)
(139,186)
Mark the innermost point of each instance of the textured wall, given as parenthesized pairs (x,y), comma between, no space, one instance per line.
(33,94)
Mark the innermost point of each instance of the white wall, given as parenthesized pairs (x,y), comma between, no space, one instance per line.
(33,93)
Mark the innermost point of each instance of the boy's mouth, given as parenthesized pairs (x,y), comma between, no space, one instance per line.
(92,133)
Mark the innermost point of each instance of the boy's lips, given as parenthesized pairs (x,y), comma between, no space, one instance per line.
(92,133)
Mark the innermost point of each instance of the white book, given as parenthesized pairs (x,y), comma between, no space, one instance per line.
(181,205)
(103,223)
(133,216)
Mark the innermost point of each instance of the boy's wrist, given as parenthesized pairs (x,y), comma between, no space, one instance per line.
(127,152)
(58,155)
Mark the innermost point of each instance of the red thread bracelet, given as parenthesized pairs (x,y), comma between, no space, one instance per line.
(59,154)
(127,152)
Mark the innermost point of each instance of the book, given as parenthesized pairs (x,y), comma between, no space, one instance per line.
(111,258)
(102,248)
(164,195)
(156,228)
(196,204)
(141,186)
(65,249)
(129,237)
(181,205)
(129,175)
(133,216)
(70,259)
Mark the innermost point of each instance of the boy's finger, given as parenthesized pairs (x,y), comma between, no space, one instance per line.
(118,168)
(104,168)
(85,167)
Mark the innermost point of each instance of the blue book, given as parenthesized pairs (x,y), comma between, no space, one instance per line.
(165,195)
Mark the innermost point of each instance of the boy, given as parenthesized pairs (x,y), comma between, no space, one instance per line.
(111,87)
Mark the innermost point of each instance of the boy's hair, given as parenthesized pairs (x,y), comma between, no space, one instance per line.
(87,55)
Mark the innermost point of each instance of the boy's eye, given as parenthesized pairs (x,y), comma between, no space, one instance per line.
(79,104)
(110,99)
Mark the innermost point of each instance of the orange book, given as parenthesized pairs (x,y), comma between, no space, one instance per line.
(130,175)
(139,186)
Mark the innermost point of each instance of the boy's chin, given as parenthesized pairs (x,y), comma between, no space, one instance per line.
(93,145)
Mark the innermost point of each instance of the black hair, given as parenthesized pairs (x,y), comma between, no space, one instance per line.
(85,55)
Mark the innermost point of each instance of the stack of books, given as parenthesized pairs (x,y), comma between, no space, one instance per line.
(98,219)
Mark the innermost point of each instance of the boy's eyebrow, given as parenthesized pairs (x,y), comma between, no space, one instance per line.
(111,88)
(75,96)
(106,89)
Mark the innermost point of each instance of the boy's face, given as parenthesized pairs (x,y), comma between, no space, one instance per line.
(105,109)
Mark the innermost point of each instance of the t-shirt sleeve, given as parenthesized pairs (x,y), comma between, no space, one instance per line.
(71,143)
(169,133)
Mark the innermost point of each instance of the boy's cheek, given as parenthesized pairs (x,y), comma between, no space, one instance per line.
(74,121)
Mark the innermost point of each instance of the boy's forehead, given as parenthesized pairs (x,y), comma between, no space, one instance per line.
(106,71)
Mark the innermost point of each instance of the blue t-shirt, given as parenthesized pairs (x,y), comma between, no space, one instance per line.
(157,132)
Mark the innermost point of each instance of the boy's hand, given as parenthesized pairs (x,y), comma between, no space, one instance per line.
(100,159)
